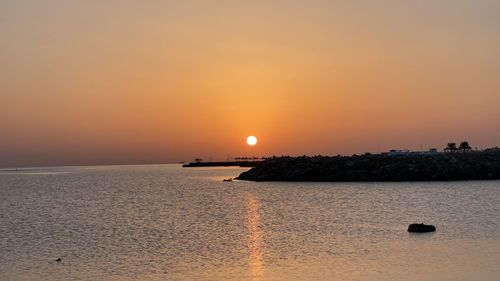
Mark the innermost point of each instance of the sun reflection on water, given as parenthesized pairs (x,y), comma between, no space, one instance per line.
(254,238)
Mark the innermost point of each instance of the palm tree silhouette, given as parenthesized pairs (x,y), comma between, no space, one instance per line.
(464,146)
(451,147)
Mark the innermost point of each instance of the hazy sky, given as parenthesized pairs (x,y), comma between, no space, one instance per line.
(92,82)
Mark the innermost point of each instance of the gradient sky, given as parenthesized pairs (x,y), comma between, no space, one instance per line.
(96,82)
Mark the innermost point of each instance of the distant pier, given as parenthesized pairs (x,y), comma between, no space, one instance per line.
(223,164)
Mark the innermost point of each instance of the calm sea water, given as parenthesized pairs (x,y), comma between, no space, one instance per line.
(168,223)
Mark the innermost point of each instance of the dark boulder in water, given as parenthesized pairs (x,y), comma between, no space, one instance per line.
(420,228)
(58,259)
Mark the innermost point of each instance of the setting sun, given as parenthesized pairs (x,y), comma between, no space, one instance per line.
(251,140)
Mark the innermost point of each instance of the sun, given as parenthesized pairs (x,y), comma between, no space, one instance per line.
(251,140)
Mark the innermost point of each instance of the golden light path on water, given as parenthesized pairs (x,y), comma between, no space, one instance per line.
(254,238)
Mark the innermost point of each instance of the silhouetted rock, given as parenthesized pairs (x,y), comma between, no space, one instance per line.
(409,167)
(420,227)
(58,259)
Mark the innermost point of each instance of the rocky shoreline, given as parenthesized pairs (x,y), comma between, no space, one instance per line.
(376,167)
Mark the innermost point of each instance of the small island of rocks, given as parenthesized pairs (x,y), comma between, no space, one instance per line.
(450,165)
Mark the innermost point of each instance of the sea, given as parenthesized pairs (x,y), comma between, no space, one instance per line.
(165,222)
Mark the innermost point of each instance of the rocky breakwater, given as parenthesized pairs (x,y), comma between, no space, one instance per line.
(377,167)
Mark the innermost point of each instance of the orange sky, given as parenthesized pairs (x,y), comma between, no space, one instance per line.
(94,82)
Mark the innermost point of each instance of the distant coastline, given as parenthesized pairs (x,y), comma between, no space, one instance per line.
(444,166)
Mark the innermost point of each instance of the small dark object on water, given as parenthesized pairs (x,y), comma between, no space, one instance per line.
(420,227)
(59,259)
(229,179)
